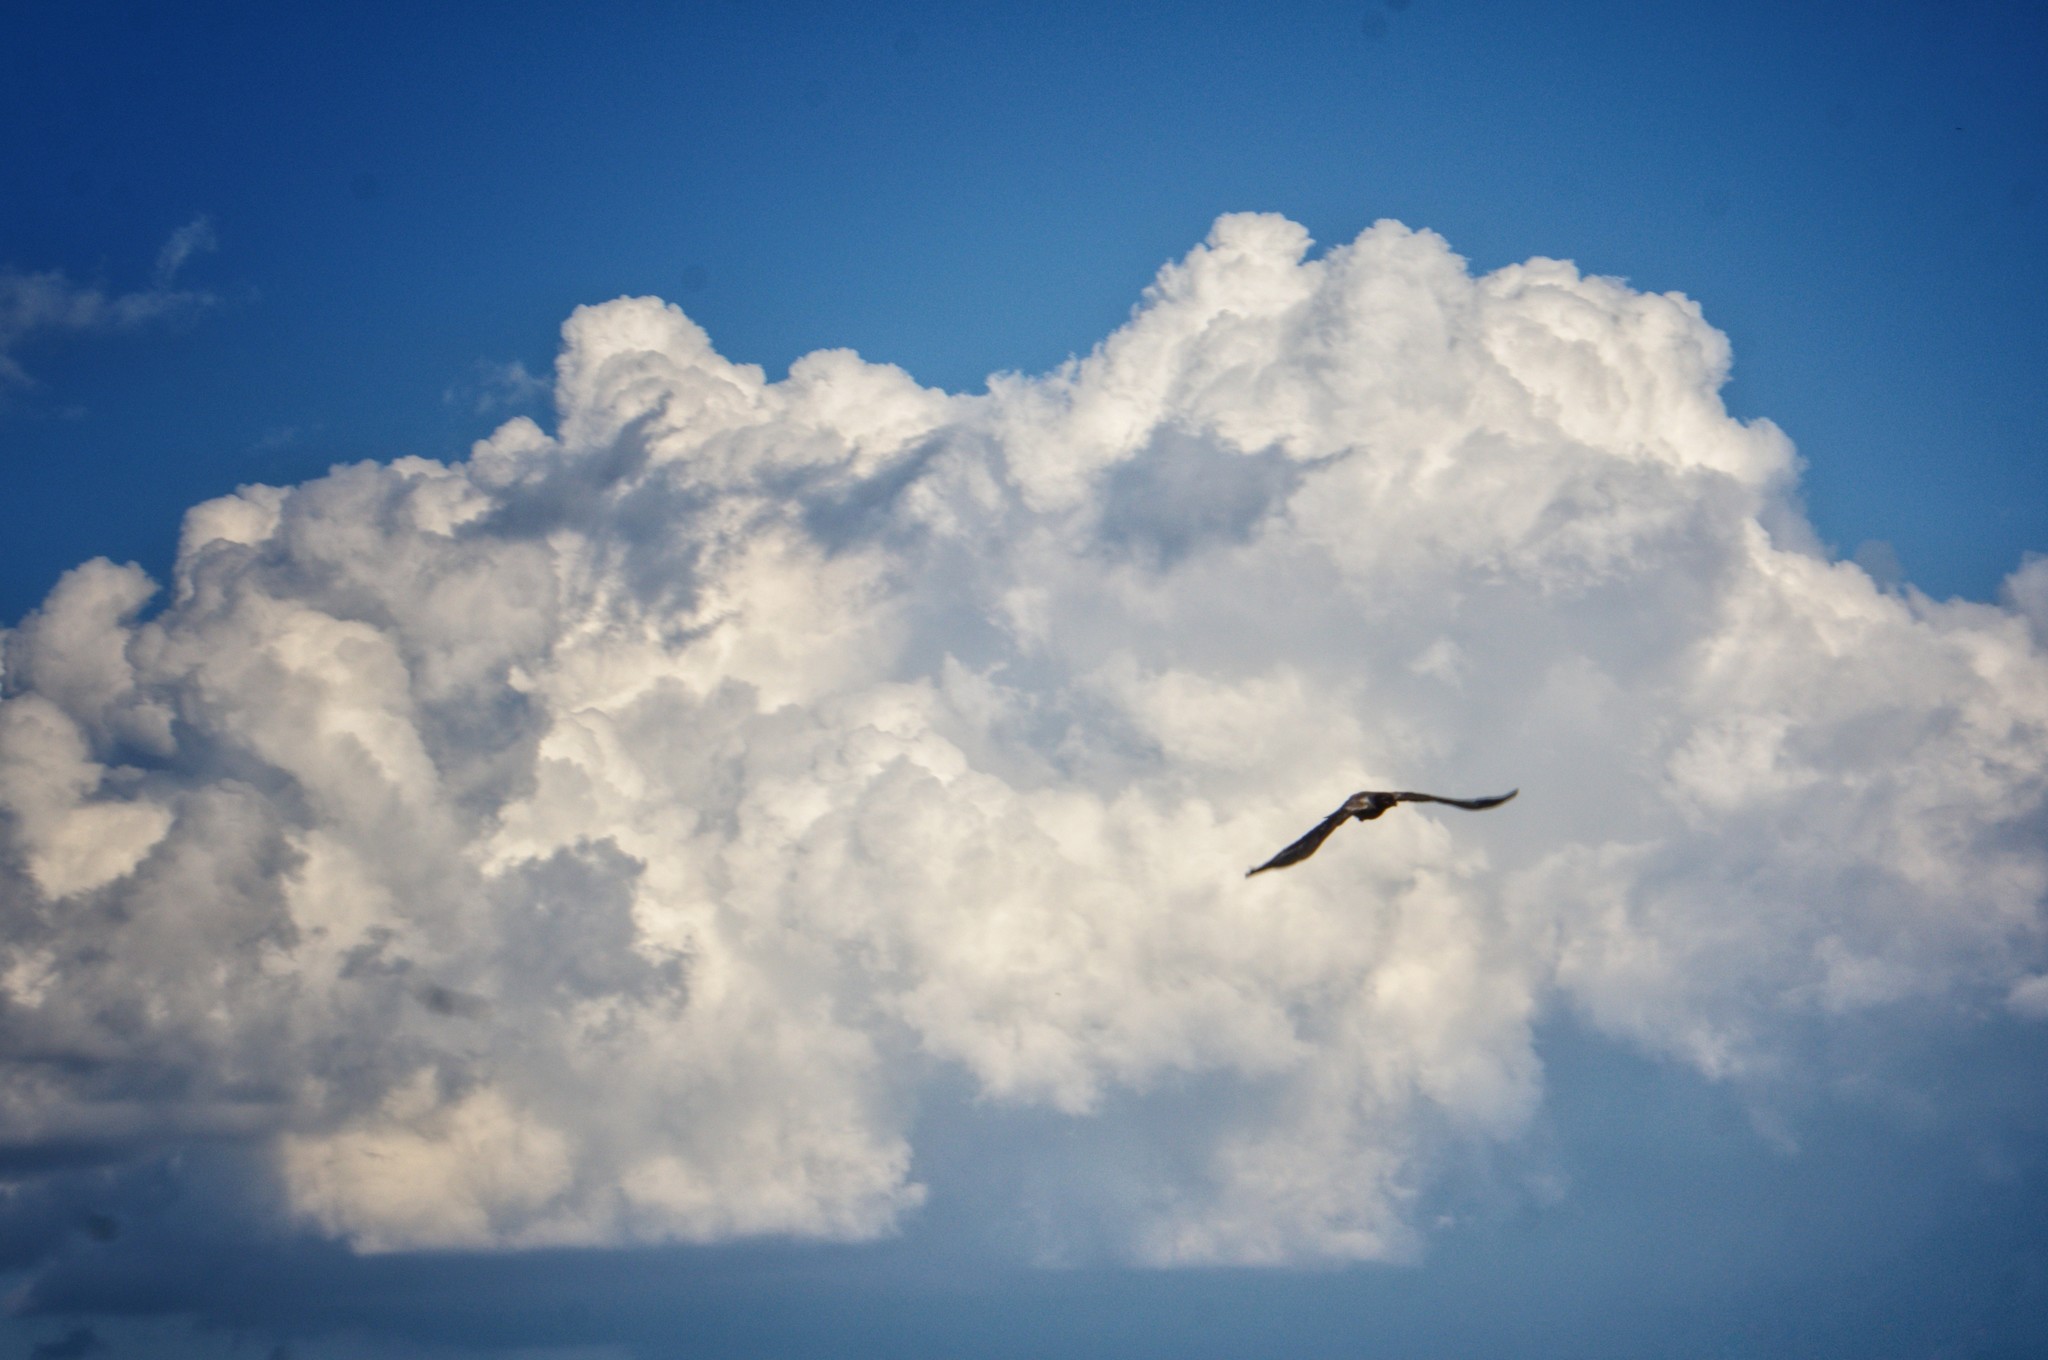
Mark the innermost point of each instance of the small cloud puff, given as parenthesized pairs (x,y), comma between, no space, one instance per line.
(495,388)
(608,838)
(2029,997)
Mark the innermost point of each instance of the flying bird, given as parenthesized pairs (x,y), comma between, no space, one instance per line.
(1365,807)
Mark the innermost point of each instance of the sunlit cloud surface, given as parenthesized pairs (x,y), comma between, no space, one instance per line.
(611,837)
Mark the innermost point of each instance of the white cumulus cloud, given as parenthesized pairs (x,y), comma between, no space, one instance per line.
(611,836)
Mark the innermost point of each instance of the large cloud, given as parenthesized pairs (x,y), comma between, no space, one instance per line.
(609,837)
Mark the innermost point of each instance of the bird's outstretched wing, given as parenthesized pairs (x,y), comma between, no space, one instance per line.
(1307,845)
(1475,804)
(1365,806)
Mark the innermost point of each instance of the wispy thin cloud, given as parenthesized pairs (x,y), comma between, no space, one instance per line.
(42,303)
(189,240)
(494,387)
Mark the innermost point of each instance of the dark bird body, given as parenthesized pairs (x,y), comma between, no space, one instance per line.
(1364,807)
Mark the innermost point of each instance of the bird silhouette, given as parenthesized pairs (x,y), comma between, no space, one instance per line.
(1364,807)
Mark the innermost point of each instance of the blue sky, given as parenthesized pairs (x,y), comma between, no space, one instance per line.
(337,230)
(1849,191)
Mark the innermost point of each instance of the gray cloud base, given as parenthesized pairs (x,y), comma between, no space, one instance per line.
(607,838)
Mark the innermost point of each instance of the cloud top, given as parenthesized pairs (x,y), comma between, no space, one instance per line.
(611,836)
